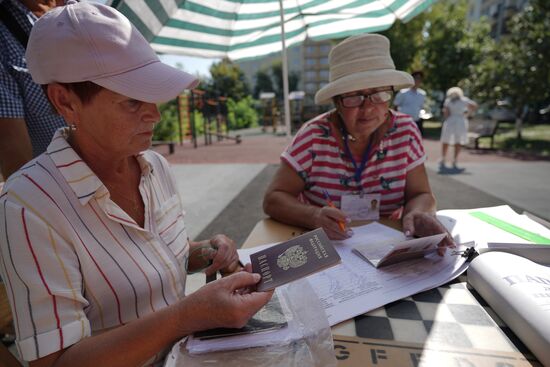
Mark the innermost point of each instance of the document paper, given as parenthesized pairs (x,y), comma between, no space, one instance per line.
(355,286)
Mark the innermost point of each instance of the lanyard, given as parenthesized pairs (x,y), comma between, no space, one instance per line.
(364,159)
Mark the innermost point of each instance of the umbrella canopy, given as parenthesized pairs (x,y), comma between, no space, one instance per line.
(241,29)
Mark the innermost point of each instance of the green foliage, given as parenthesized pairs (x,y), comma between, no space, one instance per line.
(199,122)
(526,75)
(263,83)
(277,77)
(450,47)
(406,41)
(241,114)
(167,128)
(228,80)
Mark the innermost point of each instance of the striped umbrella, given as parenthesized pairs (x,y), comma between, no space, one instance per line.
(241,29)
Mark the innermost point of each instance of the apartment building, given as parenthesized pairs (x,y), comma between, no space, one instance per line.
(309,59)
(497,11)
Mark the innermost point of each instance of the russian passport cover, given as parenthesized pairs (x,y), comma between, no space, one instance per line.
(294,259)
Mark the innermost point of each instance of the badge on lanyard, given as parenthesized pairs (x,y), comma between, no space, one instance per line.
(361,206)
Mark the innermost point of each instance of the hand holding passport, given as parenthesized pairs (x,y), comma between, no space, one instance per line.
(294,259)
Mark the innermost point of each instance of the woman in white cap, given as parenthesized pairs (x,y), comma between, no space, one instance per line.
(358,152)
(456,109)
(93,246)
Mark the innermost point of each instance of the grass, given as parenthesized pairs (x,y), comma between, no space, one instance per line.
(535,140)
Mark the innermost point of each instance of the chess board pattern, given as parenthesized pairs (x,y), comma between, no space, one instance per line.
(453,315)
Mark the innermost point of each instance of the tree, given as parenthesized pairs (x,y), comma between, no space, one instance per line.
(228,80)
(406,40)
(277,77)
(263,83)
(450,45)
(517,67)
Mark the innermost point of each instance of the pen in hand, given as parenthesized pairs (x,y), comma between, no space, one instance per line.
(341,223)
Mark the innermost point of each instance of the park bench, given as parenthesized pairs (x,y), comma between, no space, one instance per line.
(482,128)
(171,145)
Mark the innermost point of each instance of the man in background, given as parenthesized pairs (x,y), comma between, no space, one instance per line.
(411,100)
(27,121)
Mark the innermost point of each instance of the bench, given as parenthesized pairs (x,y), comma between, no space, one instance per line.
(171,145)
(482,128)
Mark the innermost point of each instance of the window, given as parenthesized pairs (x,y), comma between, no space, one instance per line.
(323,60)
(324,74)
(310,50)
(310,62)
(311,87)
(325,49)
(311,75)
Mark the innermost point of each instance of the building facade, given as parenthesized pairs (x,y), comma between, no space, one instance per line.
(309,60)
(498,12)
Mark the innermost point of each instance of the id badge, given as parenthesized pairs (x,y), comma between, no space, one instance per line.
(361,207)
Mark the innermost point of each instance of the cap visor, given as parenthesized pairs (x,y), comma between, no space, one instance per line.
(155,82)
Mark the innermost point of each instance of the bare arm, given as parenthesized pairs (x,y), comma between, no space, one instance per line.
(281,203)
(215,305)
(420,205)
(472,107)
(15,145)
(445,112)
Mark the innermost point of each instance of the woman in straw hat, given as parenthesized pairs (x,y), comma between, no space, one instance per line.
(358,152)
(93,244)
(456,108)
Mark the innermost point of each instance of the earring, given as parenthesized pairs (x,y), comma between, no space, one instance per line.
(72,127)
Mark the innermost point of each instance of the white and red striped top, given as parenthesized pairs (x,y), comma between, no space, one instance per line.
(318,159)
(74,262)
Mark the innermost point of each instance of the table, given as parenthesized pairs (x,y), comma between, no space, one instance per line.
(448,325)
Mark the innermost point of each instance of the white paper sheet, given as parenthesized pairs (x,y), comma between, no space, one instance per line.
(465,227)
(355,286)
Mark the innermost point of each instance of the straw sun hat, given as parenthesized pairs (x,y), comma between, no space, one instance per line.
(361,62)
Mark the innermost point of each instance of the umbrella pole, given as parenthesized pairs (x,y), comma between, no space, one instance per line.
(285,72)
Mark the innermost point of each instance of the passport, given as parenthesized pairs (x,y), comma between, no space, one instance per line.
(294,259)
(393,251)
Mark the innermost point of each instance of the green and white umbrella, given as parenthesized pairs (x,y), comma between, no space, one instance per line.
(241,29)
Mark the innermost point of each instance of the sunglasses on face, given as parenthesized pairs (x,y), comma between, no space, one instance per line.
(357,100)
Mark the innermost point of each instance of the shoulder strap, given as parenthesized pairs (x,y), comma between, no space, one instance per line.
(12,25)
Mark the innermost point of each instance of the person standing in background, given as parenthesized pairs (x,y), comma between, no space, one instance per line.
(410,100)
(456,109)
(27,121)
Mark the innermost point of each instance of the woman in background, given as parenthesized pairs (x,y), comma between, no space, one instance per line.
(456,109)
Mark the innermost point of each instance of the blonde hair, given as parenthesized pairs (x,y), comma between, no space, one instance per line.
(455,92)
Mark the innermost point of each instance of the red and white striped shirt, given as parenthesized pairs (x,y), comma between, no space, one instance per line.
(318,159)
(74,262)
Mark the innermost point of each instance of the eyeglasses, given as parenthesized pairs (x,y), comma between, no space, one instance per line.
(374,98)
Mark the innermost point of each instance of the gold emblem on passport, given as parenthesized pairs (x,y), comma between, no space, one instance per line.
(293,257)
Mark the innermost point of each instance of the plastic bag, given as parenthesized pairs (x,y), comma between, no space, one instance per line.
(311,344)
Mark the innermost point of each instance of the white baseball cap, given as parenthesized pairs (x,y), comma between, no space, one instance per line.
(93,42)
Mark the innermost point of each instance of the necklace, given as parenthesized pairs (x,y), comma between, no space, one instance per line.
(346,136)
